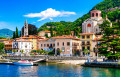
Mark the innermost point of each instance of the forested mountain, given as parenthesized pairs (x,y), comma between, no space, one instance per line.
(106,4)
(6,33)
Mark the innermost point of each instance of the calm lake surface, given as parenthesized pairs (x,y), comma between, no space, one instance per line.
(56,70)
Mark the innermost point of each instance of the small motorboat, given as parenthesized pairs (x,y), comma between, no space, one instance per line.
(23,63)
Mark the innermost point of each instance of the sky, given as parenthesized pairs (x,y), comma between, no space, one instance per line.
(37,12)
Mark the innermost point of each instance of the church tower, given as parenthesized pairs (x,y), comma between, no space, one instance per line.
(25,28)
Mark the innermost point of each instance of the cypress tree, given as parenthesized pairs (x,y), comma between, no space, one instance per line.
(17,32)
(13,35)
(51,31)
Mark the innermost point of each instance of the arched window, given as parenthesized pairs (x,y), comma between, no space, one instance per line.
(92,14)
(96,14)
(96,30)
(89,25)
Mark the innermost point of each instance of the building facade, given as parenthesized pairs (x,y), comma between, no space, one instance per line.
(43,33)
(65,44)
(25,45)
(91,25)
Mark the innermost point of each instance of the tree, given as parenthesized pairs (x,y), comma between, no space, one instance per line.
(32,30)
(21,51)
(46,35)
(13,35)
(51,31)
(67,32)
(110,43)
(86,51)
(16,35)
(1,47)
(14,50)
(2,37)
(76,31)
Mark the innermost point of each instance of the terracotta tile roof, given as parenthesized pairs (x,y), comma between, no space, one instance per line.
(29,37)
(3,39)
(86,33)
(66,37)
(43,39)
(23,40)
(9,44)
(63,37)
(49,32)
(98,37)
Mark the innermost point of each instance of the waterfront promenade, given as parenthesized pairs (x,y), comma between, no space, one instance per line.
(58,59)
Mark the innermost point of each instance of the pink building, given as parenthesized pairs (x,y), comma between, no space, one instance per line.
(66,44)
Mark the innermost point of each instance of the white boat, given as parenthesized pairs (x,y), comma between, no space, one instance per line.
(23,62)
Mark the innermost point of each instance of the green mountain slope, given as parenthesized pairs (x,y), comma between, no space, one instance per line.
(106,4)
(6,33)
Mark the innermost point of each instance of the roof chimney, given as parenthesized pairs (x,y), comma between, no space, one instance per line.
(106,17)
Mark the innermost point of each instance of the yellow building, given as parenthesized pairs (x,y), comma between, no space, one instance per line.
(87,43)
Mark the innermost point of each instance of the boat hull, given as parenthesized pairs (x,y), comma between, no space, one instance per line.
(23,64)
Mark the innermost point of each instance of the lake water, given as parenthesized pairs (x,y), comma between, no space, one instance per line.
(56,70)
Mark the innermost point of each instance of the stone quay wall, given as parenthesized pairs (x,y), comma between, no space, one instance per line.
(44,57)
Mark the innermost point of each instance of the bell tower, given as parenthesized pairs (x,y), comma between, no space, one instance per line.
(96,14)
(25,28)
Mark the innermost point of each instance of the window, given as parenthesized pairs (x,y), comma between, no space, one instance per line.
(50,45)
(47,45)
(68,43)
(44,45)
(83,48)
(88,47)
(41,45)
(58,44)
(96,14)
(53,44)
(83,37)
(88,42)
(96,30)
(63,49)
(92,14)
(88,36)
(63,43)
(83,42)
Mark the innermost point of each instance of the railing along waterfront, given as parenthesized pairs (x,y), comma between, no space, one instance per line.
(50,57)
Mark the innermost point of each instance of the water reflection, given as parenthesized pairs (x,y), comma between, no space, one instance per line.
(25,71)
(56,70)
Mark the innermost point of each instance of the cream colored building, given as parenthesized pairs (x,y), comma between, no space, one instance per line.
(42,33)
(91,25)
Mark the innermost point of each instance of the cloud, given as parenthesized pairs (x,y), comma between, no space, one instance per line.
(50,18)
(49,14)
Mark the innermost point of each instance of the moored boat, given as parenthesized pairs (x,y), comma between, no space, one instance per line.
(23,62)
